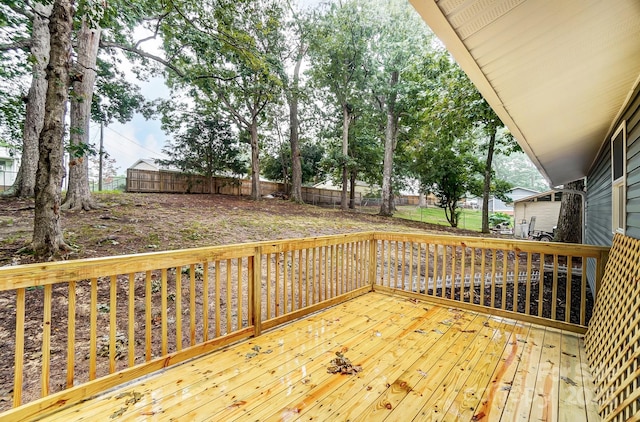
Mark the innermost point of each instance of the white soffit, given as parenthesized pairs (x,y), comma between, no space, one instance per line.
(557,72)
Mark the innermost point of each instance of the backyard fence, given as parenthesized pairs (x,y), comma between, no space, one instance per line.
(163,181)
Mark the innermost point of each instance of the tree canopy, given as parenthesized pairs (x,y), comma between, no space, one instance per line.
(356,89)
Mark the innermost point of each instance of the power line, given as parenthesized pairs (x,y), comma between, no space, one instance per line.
(133,142)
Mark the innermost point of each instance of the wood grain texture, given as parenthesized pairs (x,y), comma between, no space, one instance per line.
(420,361)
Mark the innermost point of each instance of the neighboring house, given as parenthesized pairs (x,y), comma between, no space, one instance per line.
(564,78)
(544,206)
(9,165)
(498,205)
(146,164)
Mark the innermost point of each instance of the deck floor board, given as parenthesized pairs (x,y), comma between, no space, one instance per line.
(420,361)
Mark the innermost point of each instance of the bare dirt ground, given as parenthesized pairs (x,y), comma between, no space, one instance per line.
(135,223)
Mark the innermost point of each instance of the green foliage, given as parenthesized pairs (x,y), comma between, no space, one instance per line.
(278,167)
(203,143)
(499,218)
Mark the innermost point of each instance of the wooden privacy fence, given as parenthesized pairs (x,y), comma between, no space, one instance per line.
(149,181)
(84,326)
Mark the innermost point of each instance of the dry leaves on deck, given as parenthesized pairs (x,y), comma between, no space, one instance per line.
(342,365)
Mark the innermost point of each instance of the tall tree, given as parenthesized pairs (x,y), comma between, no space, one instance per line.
(48,240)
(234,61)
(400,40)
(38,46)
(338,53)
(82,83)
(570,219)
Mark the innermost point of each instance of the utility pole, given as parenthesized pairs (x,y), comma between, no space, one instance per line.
(101,153)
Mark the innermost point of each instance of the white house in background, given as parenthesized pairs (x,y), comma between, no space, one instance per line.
(146,164)
(545,207)
(497,205)
(9,165)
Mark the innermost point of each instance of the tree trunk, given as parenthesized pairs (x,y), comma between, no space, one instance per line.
(570,219)
(47,233)
(352,190)
(296,165)
(255,161)
(34,117)
(486,191)
(390,133)
(84,78)
(346,119)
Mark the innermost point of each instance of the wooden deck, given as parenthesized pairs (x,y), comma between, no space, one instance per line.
(420,361)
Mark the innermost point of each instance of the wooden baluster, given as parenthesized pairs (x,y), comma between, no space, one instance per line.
(527,306)
(307,284)
(217,298)
(277,287)
(285,282)
(411,266)
(554,289)
(454,257)
(567,294)
(505,265)
(541,285)
(131,340)
(444,271)
(239,293)
(163,312)
(228,290)
(463,271)
(583,293)
(426,271)
(268,281)
(192,305)
(46,341)
(472,277)
(113,315)
(483,275)
(178,302)
(217,265)
(205,299)
(300,279)
(147,316)
(71,333)
(516,276)
(493,277)
(18,363)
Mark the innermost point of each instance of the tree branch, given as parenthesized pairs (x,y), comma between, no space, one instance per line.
(21,44)
(179,72)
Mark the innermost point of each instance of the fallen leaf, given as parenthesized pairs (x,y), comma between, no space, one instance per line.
(569,354)
(569,381)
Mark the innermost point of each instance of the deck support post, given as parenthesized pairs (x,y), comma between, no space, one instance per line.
(601,264)
(255,291)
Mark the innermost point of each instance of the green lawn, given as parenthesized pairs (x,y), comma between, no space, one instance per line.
(469,219)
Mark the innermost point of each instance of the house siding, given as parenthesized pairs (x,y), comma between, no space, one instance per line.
(598,228)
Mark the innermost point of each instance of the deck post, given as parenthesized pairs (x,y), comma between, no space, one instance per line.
(602,263)
(255,290)
(373,257)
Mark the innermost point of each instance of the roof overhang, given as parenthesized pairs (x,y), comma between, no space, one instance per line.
(558,73)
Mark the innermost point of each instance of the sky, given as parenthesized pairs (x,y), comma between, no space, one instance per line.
(139,138)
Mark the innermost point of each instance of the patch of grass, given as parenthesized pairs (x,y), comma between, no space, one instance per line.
(469,219)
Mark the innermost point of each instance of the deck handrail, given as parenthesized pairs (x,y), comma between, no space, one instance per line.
(116,318)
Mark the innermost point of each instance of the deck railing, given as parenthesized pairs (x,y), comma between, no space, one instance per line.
(84,326)
(539,282)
